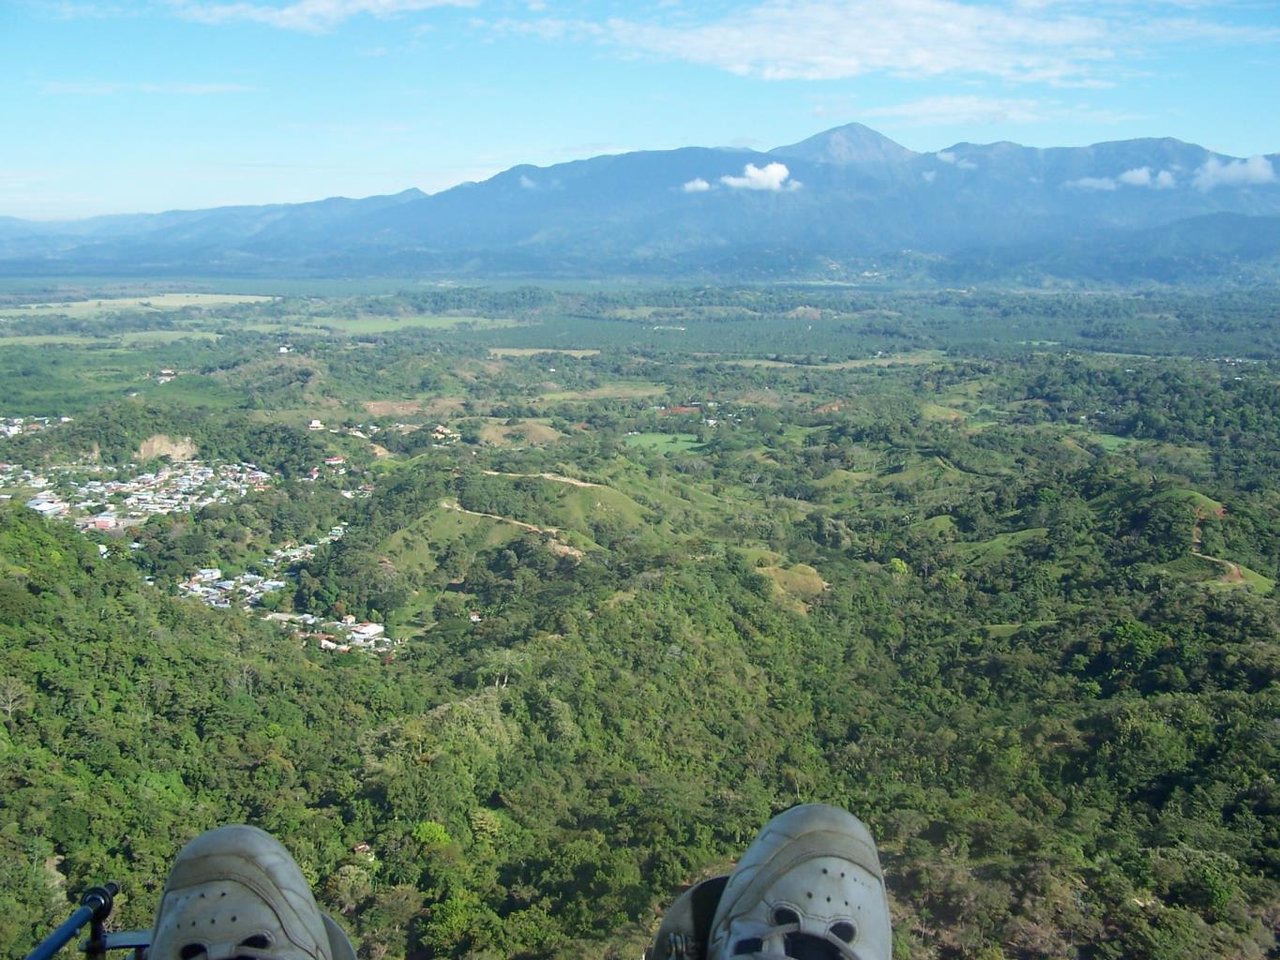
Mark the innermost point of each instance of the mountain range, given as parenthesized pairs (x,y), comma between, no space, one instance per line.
(846,204)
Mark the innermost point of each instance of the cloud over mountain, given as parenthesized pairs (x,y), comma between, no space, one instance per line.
(1143,177)
(1234,173)
(772,176)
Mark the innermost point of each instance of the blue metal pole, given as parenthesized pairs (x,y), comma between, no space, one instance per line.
(95,905)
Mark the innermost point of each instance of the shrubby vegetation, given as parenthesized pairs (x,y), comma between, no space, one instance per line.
(1013,606)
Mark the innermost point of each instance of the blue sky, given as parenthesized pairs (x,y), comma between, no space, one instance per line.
(148,105)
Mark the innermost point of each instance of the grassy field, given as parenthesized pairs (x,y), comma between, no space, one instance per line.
(936,413)
(999,547)
(47,340)
(534,432)
(620,390)
(380,324)
(128,338)
(841,477)
(155,302)
(1108,442)
(914,358)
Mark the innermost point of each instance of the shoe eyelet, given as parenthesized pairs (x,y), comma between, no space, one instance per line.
(843,930)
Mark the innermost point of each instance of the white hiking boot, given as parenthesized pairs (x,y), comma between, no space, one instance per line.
(809,887)
(235,892)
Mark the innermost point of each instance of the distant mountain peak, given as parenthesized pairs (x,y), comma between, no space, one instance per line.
(853,144)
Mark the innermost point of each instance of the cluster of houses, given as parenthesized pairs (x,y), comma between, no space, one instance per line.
(692,408)
(14,426)
(113,504)
(246,591)
(363,431)
(210,586)
(96,499)
(340,636)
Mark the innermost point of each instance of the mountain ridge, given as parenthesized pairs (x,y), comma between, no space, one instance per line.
(837,202)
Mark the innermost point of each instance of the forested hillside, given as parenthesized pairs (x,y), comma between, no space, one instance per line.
(1013,605)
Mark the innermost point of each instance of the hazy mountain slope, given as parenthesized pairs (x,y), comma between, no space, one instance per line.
(834,202)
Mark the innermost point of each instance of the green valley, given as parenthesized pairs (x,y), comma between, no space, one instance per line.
(994,570)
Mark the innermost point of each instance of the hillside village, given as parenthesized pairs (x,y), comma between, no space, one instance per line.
(98,498)
(248,590)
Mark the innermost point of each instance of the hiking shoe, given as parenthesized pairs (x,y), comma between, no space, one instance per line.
(810,887)
(235,893)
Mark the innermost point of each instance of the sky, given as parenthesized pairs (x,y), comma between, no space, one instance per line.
(109,106)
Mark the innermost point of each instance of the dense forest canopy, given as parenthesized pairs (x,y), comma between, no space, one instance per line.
(993,570)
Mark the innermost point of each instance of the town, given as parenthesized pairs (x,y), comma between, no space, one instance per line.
(101,498)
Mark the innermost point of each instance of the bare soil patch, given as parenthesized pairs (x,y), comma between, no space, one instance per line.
(392,408)
(564,550)
(162,445)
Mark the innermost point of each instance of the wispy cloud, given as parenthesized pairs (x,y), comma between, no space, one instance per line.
(1233,173)
(946,156)
(305,15)
(1107,184)
(101,88)
(963,109)
(1065,44)
(696,185)
(808,39)
(92,10)
(969,110)
(1142,177)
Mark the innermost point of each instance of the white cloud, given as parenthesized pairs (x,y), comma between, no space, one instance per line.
(527,183)
(1143,177)
(974,111)
(962,109)
(696,185)
(948,156)
(1234,173)
(1137,177)
(824,40)
(1065,44)
(1140,177)
(928,175)
(772,176)
(1094,183)
(307,15)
